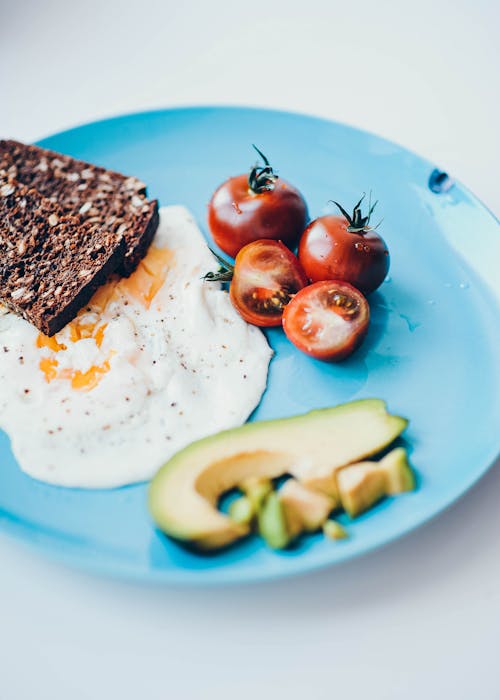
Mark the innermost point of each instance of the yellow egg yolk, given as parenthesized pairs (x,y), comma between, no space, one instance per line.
(86,381)
(149,276)
(49,367)
(142,286)
(43,341)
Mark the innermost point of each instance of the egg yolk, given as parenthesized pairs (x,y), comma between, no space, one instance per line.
(148,278)
(80,381)
(49,367)
(43,341)
(86,381)
(79,330)
(142,285)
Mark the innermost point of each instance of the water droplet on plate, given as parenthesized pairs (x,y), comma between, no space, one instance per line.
(464,285)
(388,279)
(431,302)
(412,325)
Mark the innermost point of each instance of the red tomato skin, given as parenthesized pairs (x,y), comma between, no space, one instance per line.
(298,339)
(237,216)
(267,257)
(328,251)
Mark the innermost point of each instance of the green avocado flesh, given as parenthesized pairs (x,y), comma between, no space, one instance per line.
(272,523)
(242,510)
(306,510)
(334,530)
(184,494)
(361,485)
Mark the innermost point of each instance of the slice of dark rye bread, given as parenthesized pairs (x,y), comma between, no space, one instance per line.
(50,262)
(116,202)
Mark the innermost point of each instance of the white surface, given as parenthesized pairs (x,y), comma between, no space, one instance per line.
(417,619)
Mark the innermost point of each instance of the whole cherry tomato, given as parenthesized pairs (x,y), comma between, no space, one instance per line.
(264,278)
(327,320)
(261,205)
(345,248)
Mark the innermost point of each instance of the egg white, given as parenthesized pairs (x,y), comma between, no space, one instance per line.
(166,375)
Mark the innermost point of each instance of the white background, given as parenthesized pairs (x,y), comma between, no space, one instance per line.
(420,618)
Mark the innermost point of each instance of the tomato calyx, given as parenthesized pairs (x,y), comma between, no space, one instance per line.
(262,178)
(224,273)
(357,222)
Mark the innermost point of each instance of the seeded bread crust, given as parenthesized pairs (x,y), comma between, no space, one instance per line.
(116,202)
(51,263)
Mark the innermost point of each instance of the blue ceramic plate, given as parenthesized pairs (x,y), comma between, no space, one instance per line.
(429,352)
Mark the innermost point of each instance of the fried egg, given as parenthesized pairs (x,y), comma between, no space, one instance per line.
(152,363)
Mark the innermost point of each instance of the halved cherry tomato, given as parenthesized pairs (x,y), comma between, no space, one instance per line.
(261,205)
(345,248)
(327,320)
(265,277)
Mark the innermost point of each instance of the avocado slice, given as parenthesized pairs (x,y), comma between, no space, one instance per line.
(362,485)
(399,476)
(256,488)
(242,510)
(334,530)
(272,524)
(304,506)
(183,495)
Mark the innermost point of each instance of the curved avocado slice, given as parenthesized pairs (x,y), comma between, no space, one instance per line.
(183,495)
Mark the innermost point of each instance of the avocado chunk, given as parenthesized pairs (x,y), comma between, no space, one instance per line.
(361,485)
(305,509)
(184,494)
(334,530)
(293,522)
(271,520)
(399,476)
(242,510)
(256,488)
